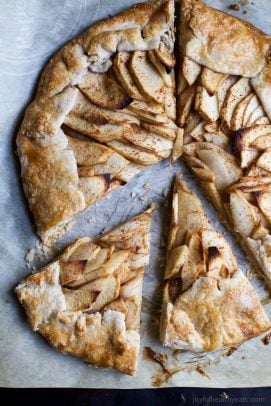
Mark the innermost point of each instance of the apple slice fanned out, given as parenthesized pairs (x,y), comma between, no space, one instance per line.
(223,165)
(166,56)
(88,152)
(148,141)
(149,111)
(146,76)
(191,70)
(211,80)
(253,104)
(237,121)
(113,166)
(261,120)
(257,114)
(103,91)
(205,295)
(256,137)
(235,94)
(206,105)
(122,72)
(185,104)
(133,153)
(168,130)
(166,75)
(129,171)
(223,90)
(87,302)
(243,214)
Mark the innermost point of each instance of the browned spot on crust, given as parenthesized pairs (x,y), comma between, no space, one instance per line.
(174,288)
(231,350)
(266,339)
(213,252)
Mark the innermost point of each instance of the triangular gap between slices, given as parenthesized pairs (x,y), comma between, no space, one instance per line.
(87,302)
(208,303)
(227,130)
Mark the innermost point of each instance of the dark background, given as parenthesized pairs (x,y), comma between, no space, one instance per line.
(139,397)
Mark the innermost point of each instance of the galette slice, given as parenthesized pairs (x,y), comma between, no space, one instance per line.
(87,302)
(208,303)
(223,104)
(104,110)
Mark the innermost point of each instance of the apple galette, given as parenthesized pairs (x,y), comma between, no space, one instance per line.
(208,303)
(224,106)
(104,111)
(87,302)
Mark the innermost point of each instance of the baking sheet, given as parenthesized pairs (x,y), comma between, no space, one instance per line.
(30,31)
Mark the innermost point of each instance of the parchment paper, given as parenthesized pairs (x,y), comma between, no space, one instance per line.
(30,31)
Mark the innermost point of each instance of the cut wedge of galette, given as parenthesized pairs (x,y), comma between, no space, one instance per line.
(208,303)
(87,302)
(104,111)
(224,106)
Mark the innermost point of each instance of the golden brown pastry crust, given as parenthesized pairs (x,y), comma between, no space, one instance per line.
(222,42)
(87,303)
(208,303)
(224,106)
(42,146)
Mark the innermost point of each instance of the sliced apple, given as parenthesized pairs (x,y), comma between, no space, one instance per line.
(258,113)
(212,80)
(235,94)
(166,56)
(121,70)
(222,164)
(85,252)
(185,103)
(88,152)
(146,76)
(251,107)
(178,145)
(264,161)
(103,91)
(264,203)
(219,139)
(204,174)
(168,130)
(254,170)
(261,120)
(167,76)
(251,184)
(131,170)
(192,121)
(246,137)
(239,111)
(191,217)
(191,70)
(206,105)
(198,132)
(148,141)
(223,90)
(94,188)
(138,225)
(134,154)
(112,166)
(248,156)
(243,215)
(176,260)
